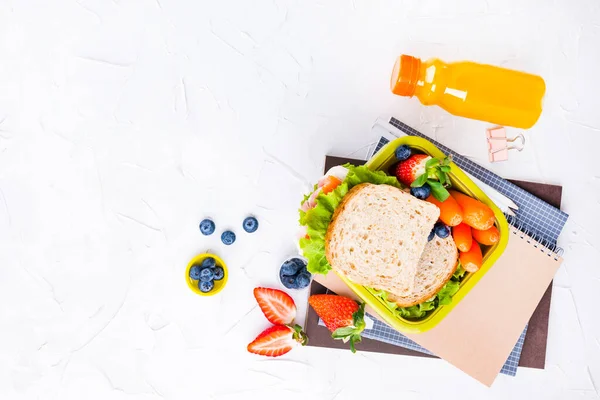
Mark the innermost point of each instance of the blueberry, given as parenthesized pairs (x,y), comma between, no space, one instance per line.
(441,230)
(228,238)
(303,280)
(208,262)
(431,235)
(218,273)
(300,262)
(421,192)
(305,270)
(207,227)
(195,272)
(403,152)
(288,281)
(291,267)
(250,224)
(206,287)
(207,275)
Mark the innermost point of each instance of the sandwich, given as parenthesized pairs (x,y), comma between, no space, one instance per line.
(367,227)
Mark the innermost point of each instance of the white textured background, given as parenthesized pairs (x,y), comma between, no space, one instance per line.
(125,122)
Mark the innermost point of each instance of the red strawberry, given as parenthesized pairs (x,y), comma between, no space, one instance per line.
(409,170)
(278,306)
(277,340)
(341,315)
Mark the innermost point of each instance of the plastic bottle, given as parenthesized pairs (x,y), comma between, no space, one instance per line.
(467,89)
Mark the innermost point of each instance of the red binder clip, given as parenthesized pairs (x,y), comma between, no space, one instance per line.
(498,144)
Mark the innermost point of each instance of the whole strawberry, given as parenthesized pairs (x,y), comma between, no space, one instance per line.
(341,315)
(421,169)
(408,171)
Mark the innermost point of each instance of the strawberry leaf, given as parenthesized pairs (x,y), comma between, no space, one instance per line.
(434,162)
(441,176)
(343,333)
(420,181)
(438,190)
(352,333)
(354,339)
(358,317)
(299,335)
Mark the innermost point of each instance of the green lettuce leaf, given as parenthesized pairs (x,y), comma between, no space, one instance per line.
(317,219)
(459,273)
(447,291)
(443,297)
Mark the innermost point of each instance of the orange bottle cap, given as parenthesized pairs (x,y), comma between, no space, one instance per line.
(405,75)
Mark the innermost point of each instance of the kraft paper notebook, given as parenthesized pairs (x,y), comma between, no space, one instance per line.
(489,312)
(481,331)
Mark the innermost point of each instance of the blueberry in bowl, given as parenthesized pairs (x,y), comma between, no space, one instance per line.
(291,266)
(303,279)
(207,275)
(208,262)
(195,272)
(206,287)
(289,281)
(293,273)
(218,273)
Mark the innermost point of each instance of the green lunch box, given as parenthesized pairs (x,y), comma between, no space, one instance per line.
(383,160)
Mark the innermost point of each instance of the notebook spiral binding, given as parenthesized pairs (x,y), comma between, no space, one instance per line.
(529,234)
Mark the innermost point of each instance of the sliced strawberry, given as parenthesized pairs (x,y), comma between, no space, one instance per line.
(278,306)
(409,170)
(277,340)
(341,315)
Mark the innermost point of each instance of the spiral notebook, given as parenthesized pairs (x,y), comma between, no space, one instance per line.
(479,335)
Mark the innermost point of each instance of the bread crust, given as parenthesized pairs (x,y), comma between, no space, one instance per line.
(452,261)
(342,206)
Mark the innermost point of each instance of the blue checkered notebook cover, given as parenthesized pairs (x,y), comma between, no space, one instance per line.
(384,333)
(535,217)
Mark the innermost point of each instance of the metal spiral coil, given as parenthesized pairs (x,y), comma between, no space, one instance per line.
(533,237)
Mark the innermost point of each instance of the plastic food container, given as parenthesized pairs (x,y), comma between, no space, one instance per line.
(193,284)
(383,160)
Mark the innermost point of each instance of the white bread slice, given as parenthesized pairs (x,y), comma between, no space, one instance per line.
(377,235)
(436,266)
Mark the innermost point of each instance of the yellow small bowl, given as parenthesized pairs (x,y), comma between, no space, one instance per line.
(193,284)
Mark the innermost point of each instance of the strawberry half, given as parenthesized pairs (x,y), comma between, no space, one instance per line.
(341,315)
(278,306)
(408,171)
(277,340)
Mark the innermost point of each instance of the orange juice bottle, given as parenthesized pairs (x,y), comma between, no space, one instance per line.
(467,89)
